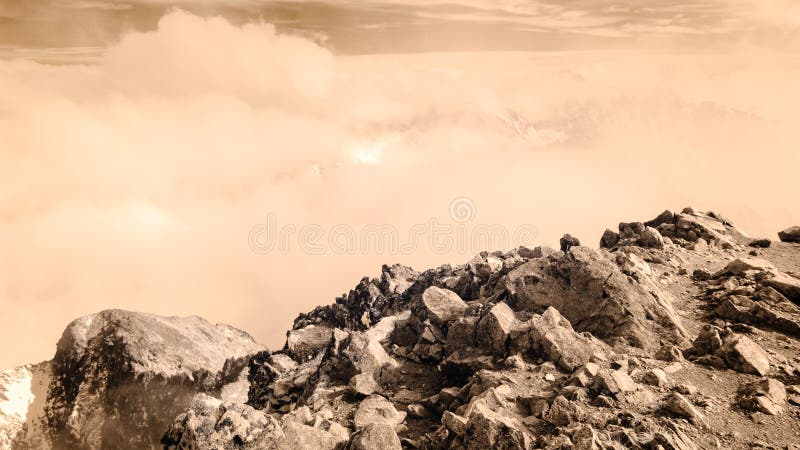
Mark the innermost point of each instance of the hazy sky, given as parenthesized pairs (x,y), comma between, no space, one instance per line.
(145,149)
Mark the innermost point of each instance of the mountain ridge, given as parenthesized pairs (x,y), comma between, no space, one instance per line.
(679,333)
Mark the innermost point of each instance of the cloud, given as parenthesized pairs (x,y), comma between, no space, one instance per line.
(134,182)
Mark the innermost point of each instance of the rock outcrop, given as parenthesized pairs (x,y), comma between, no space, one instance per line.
(791,234)
(119,379)
(678,333)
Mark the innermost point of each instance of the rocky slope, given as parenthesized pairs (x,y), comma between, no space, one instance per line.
(677,333)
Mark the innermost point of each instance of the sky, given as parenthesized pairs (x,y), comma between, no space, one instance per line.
(235,159)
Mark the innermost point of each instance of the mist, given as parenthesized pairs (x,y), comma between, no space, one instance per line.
(137,181)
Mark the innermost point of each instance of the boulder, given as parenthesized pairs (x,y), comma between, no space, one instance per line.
(615,382)
(744,355)
(744,265)
(639,234)
(553,336)
(494,328)
(563,412)
(767,396)
(760,243)
(594,294)
(489,429)
(787,285)
(665,217)
(655,377)
(568,241)
(376,409)
(454,423)
(302,344)
(609,239)
(679,405)
(364,384)
(461,334)
(791,234)
(364,349)
(151,368)
(442,305)
(376,436)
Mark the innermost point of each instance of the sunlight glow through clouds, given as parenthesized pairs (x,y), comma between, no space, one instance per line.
(133,182)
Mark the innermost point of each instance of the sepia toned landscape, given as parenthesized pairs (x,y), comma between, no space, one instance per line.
(366,224)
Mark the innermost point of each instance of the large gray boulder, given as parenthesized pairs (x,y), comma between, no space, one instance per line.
(494,328)
(119,378)
(442,305)
(303,343)
(593,293)
(552,335)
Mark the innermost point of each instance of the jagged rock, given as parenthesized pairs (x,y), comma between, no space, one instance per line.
(655,377)
(791,234)
(568,241)
(772,311)
(397,278)
(563,412)
(614,382)
(488,429)
(364,351)
(609,239)
(494,328)
(152,367)
(369,302)
(376,436)
(302,344)
(678,404)
(595,296)
(442,305)
(767,396)
(210,423)
(584,377)
(744,355)
(675,440)
(376,409)
(737,352)
(669,353)
(743,266)
(665,217)
(364,384)
(637,233)
(552,334)
(786,285)
(455,423)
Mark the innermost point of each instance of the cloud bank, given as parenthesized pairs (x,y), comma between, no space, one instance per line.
(134,182)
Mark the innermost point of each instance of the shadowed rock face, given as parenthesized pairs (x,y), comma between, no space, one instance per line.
(120,378)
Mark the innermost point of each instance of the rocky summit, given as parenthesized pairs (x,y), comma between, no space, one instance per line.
(675,333)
